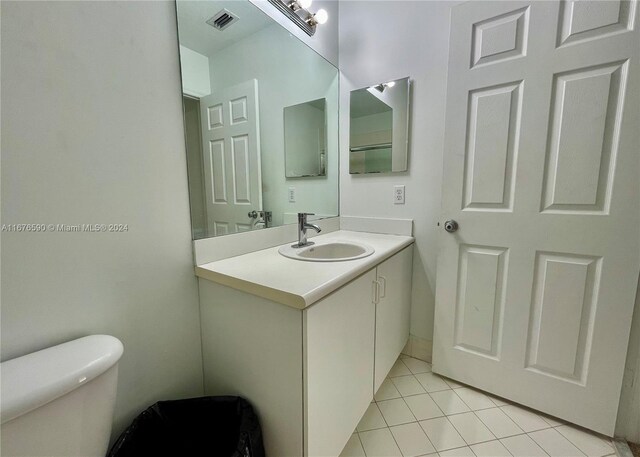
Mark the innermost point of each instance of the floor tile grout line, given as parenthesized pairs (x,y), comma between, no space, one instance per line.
(434,402)
(382,414)
(540,445)
(404,364)
(607,440)
(541,415)
(418,422)
(480,392)
(567,438)
(389,427)
(437,405)
(464,402)
(501,444)
(447,417)
(406,376)
(530,411)
(416,419)
(361,444)
(377,428)
(474,413)
(405,403)
(395,440)
(527,435)
(537,444)
(441,410)
(487,425)
(479,442)
(474,452)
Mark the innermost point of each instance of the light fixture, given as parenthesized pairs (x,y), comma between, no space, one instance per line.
(320,17)
(295,5)
(297,11)
(382,86)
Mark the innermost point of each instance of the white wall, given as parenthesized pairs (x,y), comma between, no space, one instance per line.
(195,73)
(382,41)
(325,40)
(92,133)
(284,79)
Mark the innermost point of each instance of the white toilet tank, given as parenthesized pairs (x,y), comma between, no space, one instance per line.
(59,401)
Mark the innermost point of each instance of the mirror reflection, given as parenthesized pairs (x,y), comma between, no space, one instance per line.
(305,139)
(379,128)
(253,94)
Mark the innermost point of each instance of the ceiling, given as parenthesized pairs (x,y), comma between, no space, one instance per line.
(199,36)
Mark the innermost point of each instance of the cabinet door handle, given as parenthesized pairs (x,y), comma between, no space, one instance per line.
(383,287)
(375,291)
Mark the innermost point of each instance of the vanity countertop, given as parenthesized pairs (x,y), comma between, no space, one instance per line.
(297,283)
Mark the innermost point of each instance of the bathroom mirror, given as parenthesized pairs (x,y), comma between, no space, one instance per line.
(305,139)
(253,93)
(379,128)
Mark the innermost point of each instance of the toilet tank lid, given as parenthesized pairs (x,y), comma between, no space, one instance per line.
(33,380)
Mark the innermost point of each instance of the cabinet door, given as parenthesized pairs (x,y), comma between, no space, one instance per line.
(393,311)
(338,354)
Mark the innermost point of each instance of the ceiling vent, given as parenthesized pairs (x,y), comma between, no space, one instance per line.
(222,19)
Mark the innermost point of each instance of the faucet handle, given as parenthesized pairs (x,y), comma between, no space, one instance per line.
(302,217)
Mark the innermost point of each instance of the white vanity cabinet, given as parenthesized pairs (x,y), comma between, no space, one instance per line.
(352,339)
(393,311)
(338,365)
(310,372)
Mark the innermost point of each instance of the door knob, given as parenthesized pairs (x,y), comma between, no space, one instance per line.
(253,214)
(451,226)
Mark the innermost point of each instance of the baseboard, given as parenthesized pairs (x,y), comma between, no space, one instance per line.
(418,348)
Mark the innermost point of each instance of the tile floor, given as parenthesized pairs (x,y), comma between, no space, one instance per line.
(417,413)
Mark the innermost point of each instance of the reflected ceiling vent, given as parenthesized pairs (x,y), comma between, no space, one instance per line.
(222,19)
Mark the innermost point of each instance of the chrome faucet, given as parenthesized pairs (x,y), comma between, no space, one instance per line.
(303,225)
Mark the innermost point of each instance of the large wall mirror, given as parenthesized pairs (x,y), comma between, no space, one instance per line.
(261,120)
(379,128)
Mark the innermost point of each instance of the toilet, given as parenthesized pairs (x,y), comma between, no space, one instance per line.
(59,401)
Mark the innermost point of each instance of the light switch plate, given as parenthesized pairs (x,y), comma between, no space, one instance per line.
(398,195)
(292,194)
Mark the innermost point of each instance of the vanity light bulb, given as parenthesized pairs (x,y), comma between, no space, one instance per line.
(390,84)
(305,3)
(321,16)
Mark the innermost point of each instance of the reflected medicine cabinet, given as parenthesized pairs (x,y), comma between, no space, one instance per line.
(379,128)
(305,139)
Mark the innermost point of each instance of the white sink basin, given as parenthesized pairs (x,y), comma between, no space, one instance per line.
(330,251)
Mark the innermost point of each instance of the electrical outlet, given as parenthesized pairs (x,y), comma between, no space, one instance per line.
(292,194)
(398,195)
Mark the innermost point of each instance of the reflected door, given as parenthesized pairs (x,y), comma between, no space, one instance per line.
(536,288)
(231,148)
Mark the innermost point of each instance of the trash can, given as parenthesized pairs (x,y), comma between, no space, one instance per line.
(203,426)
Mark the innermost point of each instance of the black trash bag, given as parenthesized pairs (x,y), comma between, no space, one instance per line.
(203,426)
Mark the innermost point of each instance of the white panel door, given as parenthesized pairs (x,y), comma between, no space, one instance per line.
(231,148)
(393,312)
(535,290)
